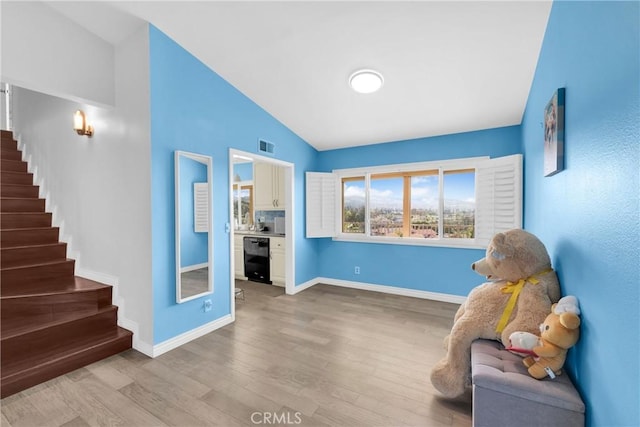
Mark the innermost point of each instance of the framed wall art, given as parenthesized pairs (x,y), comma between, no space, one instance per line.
(554,134)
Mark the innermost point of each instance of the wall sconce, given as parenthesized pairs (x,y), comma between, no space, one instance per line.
(80,124)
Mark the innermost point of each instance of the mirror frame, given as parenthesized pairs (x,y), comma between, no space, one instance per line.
(208,162)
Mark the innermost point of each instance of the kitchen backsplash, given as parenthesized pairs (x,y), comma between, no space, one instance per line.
(269,217)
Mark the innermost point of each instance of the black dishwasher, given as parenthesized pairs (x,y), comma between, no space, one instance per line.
(256,259)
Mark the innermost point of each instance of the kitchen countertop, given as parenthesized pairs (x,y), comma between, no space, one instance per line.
(258,233)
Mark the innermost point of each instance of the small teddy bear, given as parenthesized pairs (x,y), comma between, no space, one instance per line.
(559,332)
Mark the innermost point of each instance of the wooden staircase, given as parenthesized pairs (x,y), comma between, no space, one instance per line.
(52,322)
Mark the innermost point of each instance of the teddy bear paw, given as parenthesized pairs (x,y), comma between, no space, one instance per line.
(448,381)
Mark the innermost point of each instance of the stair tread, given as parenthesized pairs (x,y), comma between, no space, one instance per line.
(26,329)
(39,245)
(38,264)
(69,285)
(40,360)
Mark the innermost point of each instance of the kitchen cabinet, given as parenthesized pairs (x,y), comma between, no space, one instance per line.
(268,183)
(238,256)
(277,260)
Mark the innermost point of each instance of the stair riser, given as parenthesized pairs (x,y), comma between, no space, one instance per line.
(21,278)
(16,382)
(14,155)
(9,144)
(22,205)
(51,340)
(15,257)
(16,178)
(13,165)
(26,191)
(24,220)
(13,238)
(23,312)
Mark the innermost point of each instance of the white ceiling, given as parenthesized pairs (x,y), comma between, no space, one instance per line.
(448,66)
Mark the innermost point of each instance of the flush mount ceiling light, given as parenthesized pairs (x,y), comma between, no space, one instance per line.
(366,81)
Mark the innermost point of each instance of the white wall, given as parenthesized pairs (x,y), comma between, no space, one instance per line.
(45,51)
(99,188)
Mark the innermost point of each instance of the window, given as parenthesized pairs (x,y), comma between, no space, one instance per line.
(459,203)
(353,204)
(243,203)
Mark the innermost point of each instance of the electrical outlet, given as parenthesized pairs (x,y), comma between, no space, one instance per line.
(208,305)
(357,270)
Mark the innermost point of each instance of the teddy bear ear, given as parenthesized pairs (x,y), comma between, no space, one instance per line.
(569,320)
(501,247)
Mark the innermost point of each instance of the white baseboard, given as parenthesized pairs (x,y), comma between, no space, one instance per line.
(414,293)
(301,287)
(191,335)
(194,267)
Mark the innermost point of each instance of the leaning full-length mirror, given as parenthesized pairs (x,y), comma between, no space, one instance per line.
(194,233)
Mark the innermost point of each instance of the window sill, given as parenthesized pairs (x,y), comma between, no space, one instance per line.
(442,243)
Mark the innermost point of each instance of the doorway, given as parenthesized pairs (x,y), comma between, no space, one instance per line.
(237,156)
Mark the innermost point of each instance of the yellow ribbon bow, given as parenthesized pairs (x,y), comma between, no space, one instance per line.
(514,289)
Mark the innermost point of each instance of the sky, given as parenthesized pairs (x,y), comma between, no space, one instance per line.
(459,189)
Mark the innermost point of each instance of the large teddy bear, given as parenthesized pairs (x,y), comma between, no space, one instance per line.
(518,295)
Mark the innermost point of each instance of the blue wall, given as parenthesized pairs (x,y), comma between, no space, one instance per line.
(588,215)
(244,170)
(194,109)
(433,269)
(193,246)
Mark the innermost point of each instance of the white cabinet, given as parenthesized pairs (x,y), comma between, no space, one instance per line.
(268,182)
(277,263)
(238,256)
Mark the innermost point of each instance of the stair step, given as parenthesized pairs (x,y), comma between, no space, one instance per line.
(9,144)
(38,369)
(8,154)
(15,204)
(26,236)
(29,278)
(23,312)
(12,220)
(17,190)
(49,337)
(29,255)
(13,165)
(20,178)
(4,133)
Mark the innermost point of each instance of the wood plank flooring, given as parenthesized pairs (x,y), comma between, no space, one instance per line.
(327,356)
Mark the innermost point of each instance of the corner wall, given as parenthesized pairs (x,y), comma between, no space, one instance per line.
(45,51)
(98,188)
(588,214)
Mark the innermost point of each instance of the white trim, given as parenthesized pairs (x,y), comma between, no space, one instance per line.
(409,241)
(118,301)
(462,163)
(191,335)
(306,285)
(393,290)
(194,267)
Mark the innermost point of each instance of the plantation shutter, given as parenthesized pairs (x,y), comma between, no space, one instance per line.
(321,204)
(498,197)
(201,207)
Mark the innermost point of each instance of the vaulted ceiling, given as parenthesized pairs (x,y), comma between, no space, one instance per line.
(448,66)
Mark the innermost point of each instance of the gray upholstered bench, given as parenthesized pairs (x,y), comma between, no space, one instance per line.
(505,395)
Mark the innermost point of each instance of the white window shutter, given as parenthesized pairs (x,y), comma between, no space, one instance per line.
(498,197)
(201,207)
(321,204)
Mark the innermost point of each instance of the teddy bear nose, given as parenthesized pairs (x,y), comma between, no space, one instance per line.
(473,266)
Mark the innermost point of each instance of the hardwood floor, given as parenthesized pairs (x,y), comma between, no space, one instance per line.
(326,356)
